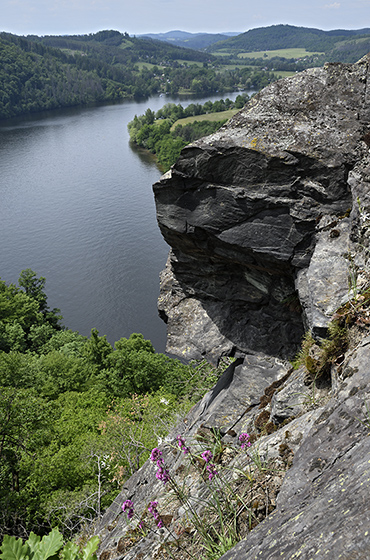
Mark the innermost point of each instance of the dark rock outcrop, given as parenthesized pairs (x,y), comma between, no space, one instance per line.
(244,211)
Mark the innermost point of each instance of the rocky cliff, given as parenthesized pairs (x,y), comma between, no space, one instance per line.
(256,216)
(268,222)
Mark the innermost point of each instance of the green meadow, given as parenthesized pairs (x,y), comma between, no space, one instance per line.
(284,53)
(222,115)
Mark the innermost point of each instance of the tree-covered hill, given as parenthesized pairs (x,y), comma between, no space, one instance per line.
(39,73)
(348,45)
(104,45)
(49,72)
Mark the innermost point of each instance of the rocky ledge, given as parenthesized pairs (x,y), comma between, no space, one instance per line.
(260,217)
(268,222)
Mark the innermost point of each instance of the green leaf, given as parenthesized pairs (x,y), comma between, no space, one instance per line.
(14,549)
(70,551)
(91,547)
(49,546)
(33,542)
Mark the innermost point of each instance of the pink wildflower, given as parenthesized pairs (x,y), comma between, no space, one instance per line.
(128,507)
(181,442)
(212,472)
(244,440)
(207,456)
(152,508)
(156,454)
(163,474)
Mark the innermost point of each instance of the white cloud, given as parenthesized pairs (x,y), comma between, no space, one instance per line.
(333,6)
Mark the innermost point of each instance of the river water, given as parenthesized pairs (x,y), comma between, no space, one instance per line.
(77,208)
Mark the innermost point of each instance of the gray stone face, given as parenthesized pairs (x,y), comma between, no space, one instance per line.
(246,210)
(269,226)
(239,390)
(323,509)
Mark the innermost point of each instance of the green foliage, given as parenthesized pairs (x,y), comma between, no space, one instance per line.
(41,73)
(153,131)
(26,322)
(65,444)
(318,356)
(333,43)
(34,287)
(133,426)
(50,547)
(135,368)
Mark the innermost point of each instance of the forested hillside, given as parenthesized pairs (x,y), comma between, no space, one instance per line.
(329,46)
(287,37)
(77,416)
(39,73)
(51,72)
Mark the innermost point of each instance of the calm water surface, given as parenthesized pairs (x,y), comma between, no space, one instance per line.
(77,207)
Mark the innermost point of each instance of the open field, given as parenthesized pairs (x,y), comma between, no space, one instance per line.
(222,115)
(284,53)
(148,65)
(190,62)
(283,73)
(353,40)
(222,53)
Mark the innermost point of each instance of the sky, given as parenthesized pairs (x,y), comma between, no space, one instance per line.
(67,17)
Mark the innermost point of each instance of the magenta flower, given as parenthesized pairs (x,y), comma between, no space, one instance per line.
(207,456)
(244,440)
(156,455)
(163,474)
(181,442)
(128,507)
(152,508)
(211,469)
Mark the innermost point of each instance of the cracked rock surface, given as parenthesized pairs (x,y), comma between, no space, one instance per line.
(323,509)
(259,210)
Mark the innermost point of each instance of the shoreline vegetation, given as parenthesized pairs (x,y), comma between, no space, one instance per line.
(170,129)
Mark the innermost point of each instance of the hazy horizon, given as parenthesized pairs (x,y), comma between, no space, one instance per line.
(69,17)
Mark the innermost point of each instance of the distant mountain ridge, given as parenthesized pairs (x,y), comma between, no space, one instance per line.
(197,41)
(282,36)
(337,45)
